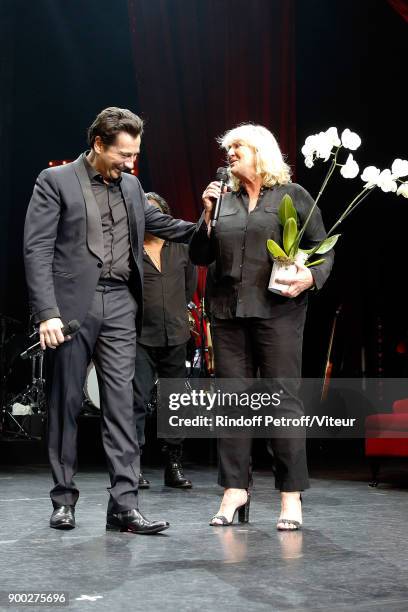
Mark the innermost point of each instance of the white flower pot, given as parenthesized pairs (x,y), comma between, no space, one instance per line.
(285,272)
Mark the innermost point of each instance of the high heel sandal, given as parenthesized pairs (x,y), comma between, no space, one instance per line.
(243,515)
(296,525)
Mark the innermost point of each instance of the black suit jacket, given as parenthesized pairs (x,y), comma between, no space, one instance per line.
(63,242)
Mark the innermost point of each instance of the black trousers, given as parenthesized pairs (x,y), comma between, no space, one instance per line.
(154,362)
(108,337)
(273,348)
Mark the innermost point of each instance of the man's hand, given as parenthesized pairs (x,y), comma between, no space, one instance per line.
(302,281)
(51,334)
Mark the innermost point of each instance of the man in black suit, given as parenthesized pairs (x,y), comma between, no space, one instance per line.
(83,246)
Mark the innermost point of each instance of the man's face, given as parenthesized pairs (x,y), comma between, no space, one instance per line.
(112,160)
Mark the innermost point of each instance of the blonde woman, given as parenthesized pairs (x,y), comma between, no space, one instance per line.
(256,331)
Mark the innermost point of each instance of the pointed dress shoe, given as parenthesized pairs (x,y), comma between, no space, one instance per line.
(134,522)
(63,517)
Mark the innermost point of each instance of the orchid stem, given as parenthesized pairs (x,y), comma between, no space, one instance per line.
(322,188)
(352,206)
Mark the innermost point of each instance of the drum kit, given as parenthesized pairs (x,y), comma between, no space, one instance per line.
(19,409)
(200,354)
(92,401)
(17,406)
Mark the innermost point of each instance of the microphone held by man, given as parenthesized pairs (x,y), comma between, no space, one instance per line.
(59,335)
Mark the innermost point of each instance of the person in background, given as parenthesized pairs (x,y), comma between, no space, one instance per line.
(170,280)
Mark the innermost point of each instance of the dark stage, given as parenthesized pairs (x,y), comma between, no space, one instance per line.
(350,555)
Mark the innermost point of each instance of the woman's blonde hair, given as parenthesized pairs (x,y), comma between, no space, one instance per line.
(269,159)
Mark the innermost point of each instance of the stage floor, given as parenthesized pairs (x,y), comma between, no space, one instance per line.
(350,555)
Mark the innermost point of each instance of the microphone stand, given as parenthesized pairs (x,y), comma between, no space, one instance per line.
(33,395)
(203,368)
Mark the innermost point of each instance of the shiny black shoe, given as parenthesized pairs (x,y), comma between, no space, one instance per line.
(63,517)
(134,522)
(173,471)
(143,482)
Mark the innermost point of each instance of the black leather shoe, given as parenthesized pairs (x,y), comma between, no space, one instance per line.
(143,482)
(173,471)
(63,517)
(134,522)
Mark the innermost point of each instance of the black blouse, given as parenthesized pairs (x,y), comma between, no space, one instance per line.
(166,295)
(239,276)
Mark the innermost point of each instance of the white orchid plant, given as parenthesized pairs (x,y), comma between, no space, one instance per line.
(327,145)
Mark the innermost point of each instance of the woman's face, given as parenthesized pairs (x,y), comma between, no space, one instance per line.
(242,160)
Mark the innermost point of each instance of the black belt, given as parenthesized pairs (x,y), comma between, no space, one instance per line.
(111,282)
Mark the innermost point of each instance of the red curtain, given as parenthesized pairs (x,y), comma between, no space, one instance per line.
(401,6)
(202,67)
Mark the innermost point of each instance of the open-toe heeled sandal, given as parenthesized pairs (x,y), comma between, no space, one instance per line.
(296,525)
(292,525)
(243,515)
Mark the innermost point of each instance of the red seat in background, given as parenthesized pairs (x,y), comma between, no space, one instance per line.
(386,436)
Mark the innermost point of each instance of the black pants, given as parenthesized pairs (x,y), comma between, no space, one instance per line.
(154,362)
(108,337)
(272,347)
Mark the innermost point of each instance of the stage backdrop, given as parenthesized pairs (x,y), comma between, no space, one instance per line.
(202,68)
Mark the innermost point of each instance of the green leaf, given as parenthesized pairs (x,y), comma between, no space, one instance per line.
(317,262)
(286,210)
(328,244)
(289,234)
(275,249)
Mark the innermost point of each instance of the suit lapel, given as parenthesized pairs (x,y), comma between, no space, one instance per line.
(93,216)
(131,213)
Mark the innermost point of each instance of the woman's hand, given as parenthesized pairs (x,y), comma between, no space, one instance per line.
(210,195)
(302,281)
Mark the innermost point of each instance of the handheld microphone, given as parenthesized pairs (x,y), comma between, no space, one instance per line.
(222,176)
(68,329)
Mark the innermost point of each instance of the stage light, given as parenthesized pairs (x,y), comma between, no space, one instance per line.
(59,162)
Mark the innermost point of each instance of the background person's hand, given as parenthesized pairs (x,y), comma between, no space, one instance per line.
(302,281)
(51,334)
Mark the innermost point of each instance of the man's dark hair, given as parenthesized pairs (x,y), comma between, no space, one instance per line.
(111,121)
(164,207)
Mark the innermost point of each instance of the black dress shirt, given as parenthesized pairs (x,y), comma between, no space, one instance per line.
(166,295)
(239,278)
(115,225)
